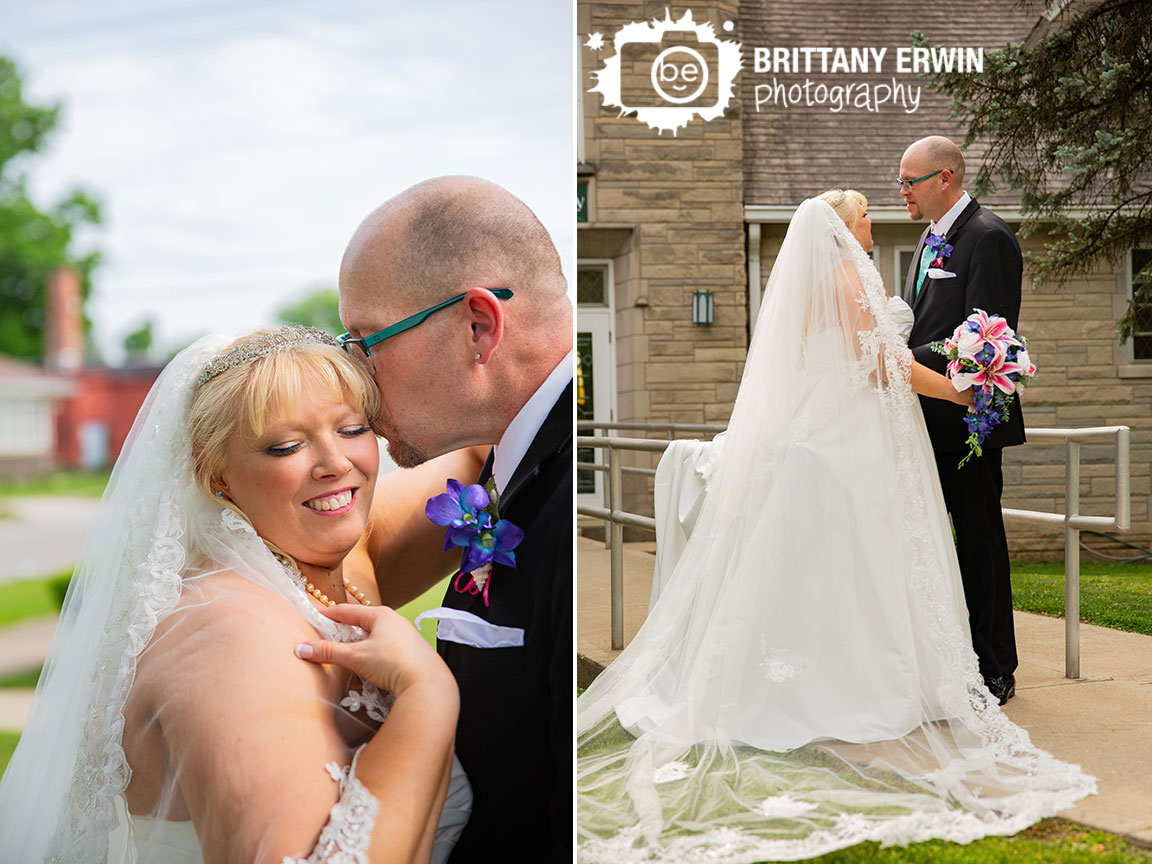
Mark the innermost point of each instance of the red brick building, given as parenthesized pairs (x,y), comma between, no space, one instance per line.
(93,422)
(64,414)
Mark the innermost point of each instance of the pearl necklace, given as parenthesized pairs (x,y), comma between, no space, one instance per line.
(293,568)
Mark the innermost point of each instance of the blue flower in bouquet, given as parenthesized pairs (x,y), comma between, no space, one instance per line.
(461,509)
(988,357)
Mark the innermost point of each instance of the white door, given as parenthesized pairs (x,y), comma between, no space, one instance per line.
(595,368)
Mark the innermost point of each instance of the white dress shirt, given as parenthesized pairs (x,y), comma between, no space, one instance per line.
(947,220)
(517,438)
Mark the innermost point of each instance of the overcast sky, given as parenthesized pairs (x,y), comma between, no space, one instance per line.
(235,145)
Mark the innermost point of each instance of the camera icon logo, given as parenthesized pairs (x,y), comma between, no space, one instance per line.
(668,72)
(683,75)
(677,70)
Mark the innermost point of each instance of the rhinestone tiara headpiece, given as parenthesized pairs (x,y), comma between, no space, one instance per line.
(262,346)
(839,199)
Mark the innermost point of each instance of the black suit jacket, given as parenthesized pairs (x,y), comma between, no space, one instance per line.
(515,735)
(988,266)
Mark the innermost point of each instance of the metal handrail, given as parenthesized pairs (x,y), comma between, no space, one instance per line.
(1072,520)
(618,518)
(669,428)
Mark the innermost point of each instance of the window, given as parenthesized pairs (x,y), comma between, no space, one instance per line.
(904,256)
(1142,335)
(592,286)
(25,427)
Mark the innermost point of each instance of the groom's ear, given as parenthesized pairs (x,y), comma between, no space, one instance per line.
(485,321)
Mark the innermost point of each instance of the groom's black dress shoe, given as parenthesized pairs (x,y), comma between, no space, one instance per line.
(1002,687)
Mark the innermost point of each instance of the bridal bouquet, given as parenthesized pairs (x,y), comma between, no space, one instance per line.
(987,355)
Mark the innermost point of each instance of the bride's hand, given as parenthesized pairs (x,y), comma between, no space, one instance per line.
(965,398)
(394,655)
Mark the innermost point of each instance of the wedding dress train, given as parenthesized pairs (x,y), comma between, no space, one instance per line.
(805,679)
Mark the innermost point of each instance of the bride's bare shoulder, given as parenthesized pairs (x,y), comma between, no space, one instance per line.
(227,621)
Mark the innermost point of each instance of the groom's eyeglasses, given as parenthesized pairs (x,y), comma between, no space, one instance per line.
(365,344)
(908,184)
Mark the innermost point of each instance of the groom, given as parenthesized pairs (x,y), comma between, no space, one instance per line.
(982,271)
(484,366)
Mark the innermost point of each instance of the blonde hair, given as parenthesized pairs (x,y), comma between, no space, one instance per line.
(844,202)
(238,401)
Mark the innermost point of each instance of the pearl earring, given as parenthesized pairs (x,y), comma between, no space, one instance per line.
(477,356)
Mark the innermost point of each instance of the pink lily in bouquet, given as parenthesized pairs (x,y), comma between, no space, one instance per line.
(985,354)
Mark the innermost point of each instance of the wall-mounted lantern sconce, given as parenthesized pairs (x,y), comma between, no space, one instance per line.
(702,307)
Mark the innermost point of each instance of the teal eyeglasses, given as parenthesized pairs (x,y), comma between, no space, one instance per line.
(365,344)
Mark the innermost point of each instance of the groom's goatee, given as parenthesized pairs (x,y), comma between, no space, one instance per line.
(404,454)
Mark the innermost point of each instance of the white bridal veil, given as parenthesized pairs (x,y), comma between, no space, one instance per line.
(158,536)
(805,681)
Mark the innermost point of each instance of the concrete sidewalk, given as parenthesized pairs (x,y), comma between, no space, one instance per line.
(1103,721)
(42,535)
(23,647)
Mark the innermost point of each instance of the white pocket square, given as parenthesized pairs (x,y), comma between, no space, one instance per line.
(940,273)
(456,625)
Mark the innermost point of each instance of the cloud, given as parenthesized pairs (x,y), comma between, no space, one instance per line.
(237,148)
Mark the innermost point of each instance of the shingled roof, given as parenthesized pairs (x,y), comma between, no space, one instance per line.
(793,152)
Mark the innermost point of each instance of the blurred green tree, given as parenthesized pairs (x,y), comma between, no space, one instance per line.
(320,309)
(33,241)
(138,343)
(1067,117)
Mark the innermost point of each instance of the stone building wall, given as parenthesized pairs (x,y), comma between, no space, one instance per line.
(668,211)
(1085,379)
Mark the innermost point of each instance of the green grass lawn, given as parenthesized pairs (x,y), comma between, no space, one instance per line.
(1111,595)
(21,680)
(84,484)
(30,598)
(1052,841)
(7,745)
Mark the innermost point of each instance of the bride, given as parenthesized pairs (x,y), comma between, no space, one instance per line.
(805,680)
(184,714)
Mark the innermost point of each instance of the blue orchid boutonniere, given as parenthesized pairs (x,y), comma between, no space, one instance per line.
(940,250)
(470,514)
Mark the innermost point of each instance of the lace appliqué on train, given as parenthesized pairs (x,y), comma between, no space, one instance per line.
(778,664)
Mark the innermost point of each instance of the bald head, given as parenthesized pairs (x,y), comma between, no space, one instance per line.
(938,152)
(461,376)
(445,235)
